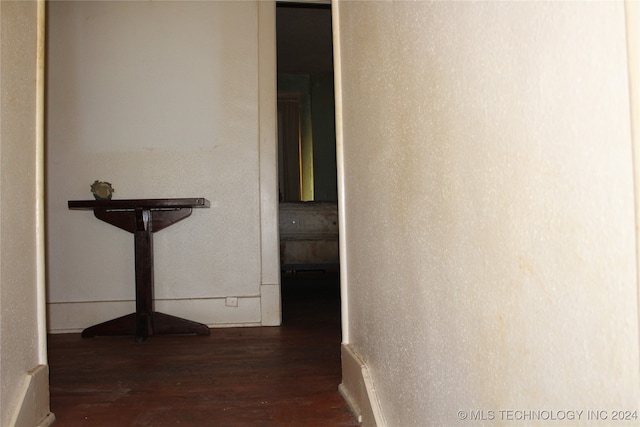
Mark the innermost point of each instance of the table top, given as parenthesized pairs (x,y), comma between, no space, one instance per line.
(128,204)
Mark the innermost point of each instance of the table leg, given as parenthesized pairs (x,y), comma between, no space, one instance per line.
(163,324)
(167,324)
(145,321)
(125,325)
(144,274)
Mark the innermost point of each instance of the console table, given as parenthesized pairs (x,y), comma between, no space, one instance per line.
(143,217)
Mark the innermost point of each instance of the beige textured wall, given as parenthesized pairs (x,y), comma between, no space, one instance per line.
(162,100)
(21,343)
(488,207)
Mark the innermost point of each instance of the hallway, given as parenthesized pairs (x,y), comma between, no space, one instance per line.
(280,376)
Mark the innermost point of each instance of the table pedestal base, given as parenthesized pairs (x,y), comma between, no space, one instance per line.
(143,326)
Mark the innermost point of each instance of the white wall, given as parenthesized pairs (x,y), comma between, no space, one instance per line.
(488,212)
(24,392)
(162,100)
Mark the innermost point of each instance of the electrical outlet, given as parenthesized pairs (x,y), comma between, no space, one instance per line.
(231,302)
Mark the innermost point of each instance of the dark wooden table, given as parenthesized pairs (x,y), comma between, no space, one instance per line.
(143,217)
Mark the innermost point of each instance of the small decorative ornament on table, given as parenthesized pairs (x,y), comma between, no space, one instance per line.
(102,190)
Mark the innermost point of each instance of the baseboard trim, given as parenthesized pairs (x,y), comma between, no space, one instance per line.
(33,407)
(357,389)
(66,317)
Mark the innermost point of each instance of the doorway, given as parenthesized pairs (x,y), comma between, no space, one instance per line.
(306,137)
(307,172)
(306,106)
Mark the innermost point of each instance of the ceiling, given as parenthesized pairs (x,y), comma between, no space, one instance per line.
(304,41)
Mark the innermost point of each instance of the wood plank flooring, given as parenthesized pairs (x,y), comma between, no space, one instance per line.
(272,376)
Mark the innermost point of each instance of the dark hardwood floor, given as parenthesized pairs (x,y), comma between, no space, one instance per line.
(272,376)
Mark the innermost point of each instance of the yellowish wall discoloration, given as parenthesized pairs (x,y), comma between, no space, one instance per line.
(488,192)
(23,399)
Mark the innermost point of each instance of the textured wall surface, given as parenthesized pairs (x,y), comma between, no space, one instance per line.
(19,338)
(489,207)
(161,100)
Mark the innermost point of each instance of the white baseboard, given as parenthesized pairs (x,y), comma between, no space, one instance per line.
(357,389)
(66,317)
(33,407)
